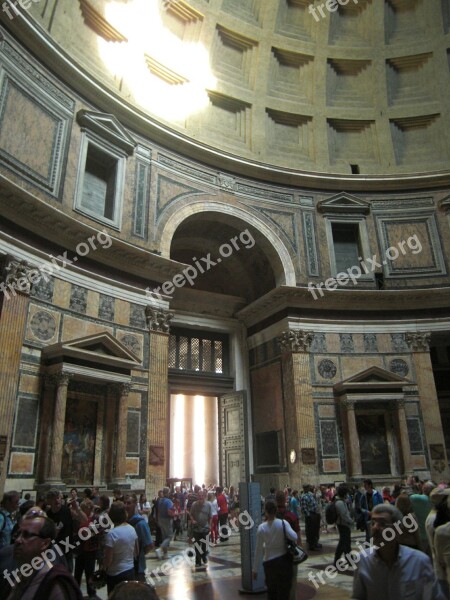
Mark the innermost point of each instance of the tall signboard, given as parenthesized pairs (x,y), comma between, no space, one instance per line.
(250,501)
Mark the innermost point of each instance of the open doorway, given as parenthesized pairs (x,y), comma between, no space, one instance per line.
(194,438)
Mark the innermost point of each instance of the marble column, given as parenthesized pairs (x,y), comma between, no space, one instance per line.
(158,323)
(61,381)
(419,344)
(45,424)
(121,390)
(299,406)
(211,436)
(404,437)
(14,300)
(351,438)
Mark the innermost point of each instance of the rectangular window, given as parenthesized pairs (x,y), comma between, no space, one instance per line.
(346,245)
(268,449)
(197,351)
(99,183)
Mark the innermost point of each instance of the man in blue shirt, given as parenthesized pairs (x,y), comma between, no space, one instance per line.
(368,501)
(389,570)
(165,521)
(142,529)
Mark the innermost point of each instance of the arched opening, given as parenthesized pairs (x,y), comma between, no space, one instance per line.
(241,260)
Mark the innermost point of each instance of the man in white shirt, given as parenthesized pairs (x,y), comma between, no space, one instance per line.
(390,571)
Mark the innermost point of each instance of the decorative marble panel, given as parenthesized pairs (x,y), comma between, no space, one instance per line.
(328,438)
(398,342)
(142,193)
(370,342)
(106,308)
(309,237)
(347,344)
(26,422)
(35,122)
(78,299)
(133,431)
(43,289)
(21,463)
(137,316)
(415,435)
(319,343)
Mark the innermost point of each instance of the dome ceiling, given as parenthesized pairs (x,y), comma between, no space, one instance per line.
(361,90)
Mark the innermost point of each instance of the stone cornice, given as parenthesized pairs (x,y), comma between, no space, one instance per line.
(107,100)
(346,303)
(33,214)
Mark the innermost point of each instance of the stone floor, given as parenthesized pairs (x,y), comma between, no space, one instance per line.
(221,580)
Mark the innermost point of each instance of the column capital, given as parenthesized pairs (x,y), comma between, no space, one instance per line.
(418,342)
(120,389)
(158,320)
(295,341)
(348,403)
(59,379)
(18,275)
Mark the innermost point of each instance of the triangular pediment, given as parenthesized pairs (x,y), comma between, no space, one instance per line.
(100,347)
(107,127)
(344,203)
(372,378)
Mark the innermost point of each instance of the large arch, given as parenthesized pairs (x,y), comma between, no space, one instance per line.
(270,243)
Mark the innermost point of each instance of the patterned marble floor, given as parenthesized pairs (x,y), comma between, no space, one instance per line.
(221,579)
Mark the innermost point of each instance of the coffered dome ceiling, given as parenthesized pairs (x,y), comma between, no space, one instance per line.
(363,89)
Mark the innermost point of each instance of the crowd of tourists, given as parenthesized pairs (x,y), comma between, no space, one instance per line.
(48,546)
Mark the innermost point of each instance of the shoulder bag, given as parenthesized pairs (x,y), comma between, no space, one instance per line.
(296,552)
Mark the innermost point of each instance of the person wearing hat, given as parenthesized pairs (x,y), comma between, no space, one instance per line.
(442,545)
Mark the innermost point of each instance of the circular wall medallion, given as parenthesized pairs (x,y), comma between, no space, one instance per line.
(132,343)
(327,369)
(399,366)
(292,456)
(43,325)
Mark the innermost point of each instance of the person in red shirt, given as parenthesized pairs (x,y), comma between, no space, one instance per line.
(222,505)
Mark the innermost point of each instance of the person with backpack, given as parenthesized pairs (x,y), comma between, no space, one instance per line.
(140,524)
(45,581)
(344,523)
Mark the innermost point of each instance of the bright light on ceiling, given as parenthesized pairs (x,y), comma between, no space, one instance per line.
(141,23)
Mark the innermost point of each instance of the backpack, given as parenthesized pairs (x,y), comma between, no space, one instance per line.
(58,574)
(331,513)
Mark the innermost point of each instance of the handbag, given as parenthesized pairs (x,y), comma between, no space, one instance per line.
(296,552)
(98,579)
